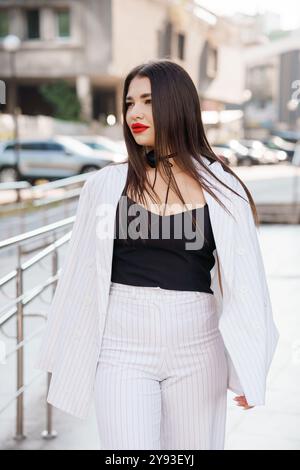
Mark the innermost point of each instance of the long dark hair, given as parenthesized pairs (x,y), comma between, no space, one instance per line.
(178,128)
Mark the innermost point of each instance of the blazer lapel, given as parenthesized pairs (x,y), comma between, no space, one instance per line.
(106,207)
(222,223)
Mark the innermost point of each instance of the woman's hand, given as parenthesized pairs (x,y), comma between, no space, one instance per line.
(243,402)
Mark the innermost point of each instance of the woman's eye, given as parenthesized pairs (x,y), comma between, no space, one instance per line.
(147,101)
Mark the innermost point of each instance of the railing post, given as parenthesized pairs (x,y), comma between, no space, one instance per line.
(49,432)
(19,198)
(20,353)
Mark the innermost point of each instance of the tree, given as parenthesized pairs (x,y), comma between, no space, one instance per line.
(62,96)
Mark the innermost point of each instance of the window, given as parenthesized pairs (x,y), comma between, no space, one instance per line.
(95,146)
(63,23)
(33,146)
(53,147)
(9,147)
(33,24)
(4,27)
(160,52)
(181,44)
(212,62)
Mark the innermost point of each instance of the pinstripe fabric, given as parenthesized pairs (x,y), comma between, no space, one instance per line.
(73,336)
(161,381)
(246,317)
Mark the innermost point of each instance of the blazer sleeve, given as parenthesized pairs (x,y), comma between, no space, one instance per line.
(67,289)
(247,233)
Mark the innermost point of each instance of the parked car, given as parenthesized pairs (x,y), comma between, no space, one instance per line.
(260,151)
(49,159)
(226,154)
(105,145)
(244,156)
(289,136)
(277,143)
(122,145)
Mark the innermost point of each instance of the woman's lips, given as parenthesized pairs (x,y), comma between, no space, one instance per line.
(138,130)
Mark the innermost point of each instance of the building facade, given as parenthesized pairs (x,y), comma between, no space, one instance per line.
(273,78)
(92,44)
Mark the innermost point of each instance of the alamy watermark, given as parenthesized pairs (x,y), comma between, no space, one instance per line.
(143,224)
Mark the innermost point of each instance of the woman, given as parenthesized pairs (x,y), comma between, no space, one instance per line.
(159,326)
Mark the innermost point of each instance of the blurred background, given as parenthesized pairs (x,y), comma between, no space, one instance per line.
(62,66)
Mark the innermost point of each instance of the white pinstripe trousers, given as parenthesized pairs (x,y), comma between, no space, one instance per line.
(161,380)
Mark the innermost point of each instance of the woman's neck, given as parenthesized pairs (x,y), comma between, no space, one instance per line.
(159,165)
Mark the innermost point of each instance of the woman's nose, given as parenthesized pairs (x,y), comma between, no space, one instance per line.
(136,112)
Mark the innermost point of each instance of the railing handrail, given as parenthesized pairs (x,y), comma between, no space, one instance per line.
(24,266)
(59,183)
(21,204)
(36,232)
(15,185)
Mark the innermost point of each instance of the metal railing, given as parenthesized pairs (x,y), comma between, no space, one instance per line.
(15,307)
(42,204)
(37,195)
(16,186)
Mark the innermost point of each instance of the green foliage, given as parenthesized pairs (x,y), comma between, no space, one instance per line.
(63,99)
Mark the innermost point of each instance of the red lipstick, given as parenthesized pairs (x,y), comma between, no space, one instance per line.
(137,128)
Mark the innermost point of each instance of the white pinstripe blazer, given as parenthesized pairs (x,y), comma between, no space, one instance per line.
(71,343)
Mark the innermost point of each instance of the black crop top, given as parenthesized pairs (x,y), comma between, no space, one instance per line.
(145,255)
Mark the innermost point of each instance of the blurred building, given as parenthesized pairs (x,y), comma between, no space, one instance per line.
(255,29)
(272,77)
(94,43)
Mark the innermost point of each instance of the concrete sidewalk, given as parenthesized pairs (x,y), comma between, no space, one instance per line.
(274,426)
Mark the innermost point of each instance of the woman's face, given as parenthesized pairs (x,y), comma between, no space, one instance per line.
(139,111)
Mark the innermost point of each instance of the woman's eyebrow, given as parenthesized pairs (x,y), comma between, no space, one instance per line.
(144,95)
